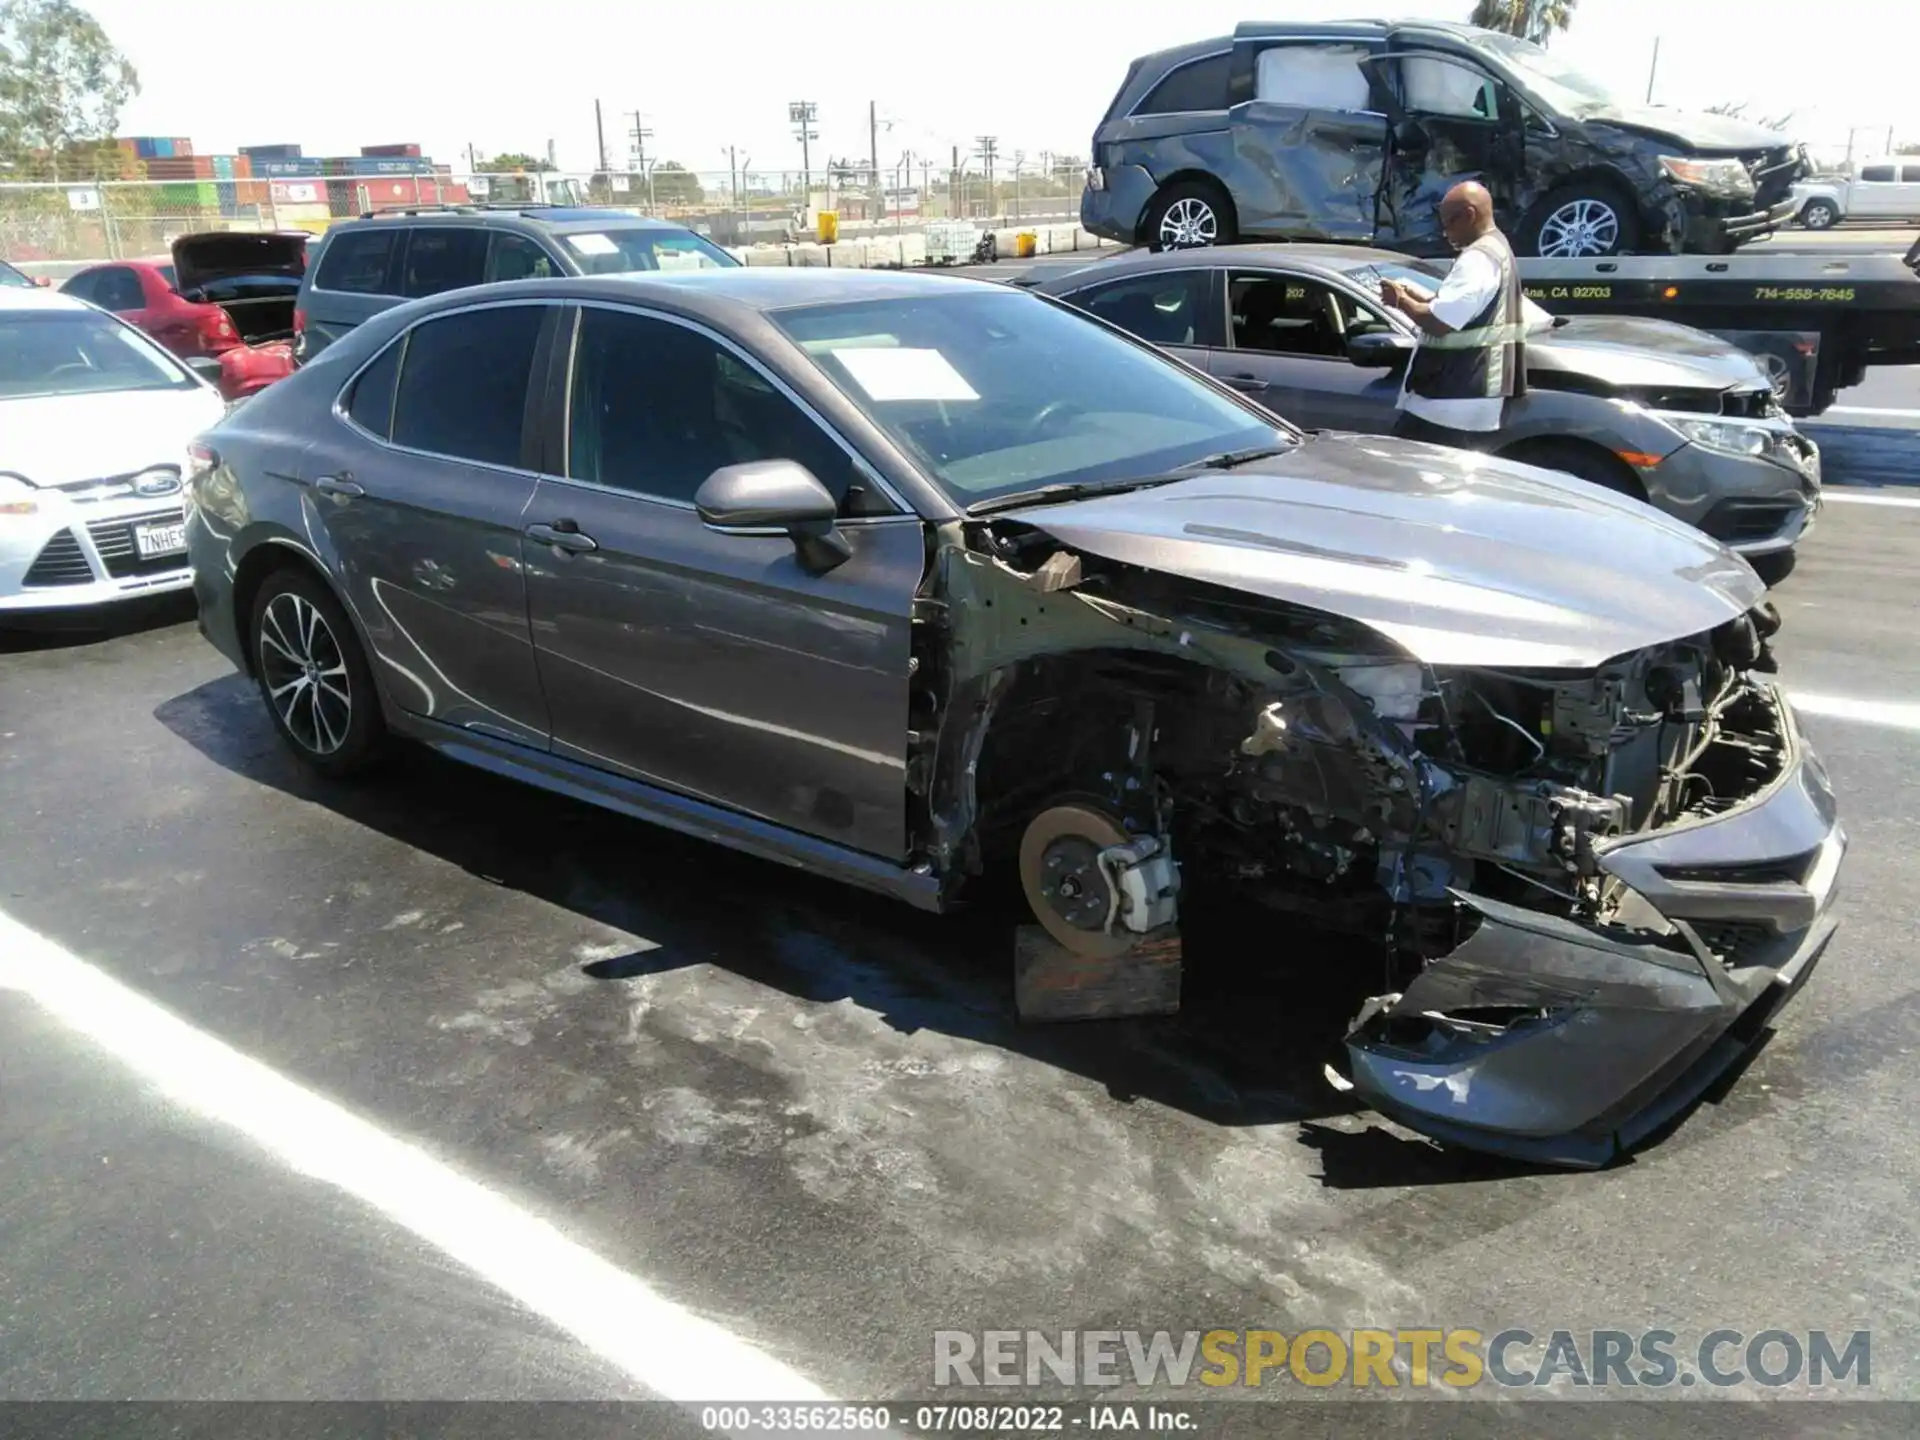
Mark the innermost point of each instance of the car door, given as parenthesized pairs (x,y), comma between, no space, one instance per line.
(714,664)
(1287,350)
(1177,310)
(1453,120)
(1876,193)
(419,485)
(1309,139)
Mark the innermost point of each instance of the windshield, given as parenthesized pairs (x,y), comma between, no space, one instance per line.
(1559,85)
(617,252)
(995,391)
(11,276)
(76,353)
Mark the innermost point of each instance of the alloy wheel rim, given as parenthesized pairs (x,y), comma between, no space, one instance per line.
(1189,223)
(1580,228)
(1819,217)
(305,673)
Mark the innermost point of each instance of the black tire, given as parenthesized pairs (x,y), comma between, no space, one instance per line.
(1586,219)
(1193,208)
(1583,462)
(1819,214)
(298,632)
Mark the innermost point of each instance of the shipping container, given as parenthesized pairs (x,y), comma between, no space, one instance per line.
(271,152)
(392,151)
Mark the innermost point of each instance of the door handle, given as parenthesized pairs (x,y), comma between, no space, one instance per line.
(1245,382)
(563,535)
(341,484)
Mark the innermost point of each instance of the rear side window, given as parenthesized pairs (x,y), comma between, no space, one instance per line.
(370,403)
(1314,77)
(1910,174)
(117,289)
(1163,309)
(356,261)
(443,259)
(463,385)
(1197,85)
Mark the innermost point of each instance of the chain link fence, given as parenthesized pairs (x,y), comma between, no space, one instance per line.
(124,219)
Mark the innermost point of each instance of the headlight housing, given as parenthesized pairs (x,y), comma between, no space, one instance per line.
(1726,176)
(17,495)
(1729,437)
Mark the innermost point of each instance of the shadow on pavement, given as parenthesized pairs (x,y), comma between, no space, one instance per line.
(24,631)
(1263,1008)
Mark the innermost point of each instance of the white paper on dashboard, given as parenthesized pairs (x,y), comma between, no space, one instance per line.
(593,244)
(902,374)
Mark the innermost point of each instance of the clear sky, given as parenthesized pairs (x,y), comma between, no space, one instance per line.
(333,75)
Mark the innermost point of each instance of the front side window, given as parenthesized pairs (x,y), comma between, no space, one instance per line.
(1197,85)
(620,252)
(657,408)
(1446,88)
(1289,315)
(441,259)
(13,278)
(79,352)
(995,391)
(356,261)
(1162,309)
(1314,77)
(463,384)
(515,257)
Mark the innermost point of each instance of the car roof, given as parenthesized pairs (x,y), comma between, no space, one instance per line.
(38,299)
(561,218)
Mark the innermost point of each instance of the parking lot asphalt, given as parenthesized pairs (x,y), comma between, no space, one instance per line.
(803,1115)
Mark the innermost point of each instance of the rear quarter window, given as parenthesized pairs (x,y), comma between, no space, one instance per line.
(1197,85)
(356,261)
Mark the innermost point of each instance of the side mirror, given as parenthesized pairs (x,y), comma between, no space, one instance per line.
(45,282)
(206,367)
(776,495)
(1379,350)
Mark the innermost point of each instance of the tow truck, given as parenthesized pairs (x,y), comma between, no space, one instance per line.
(1817,322)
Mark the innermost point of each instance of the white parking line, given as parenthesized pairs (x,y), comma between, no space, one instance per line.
(669,1350)
(1836,495)
(1899,714)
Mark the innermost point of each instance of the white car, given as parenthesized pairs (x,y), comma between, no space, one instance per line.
(95,420)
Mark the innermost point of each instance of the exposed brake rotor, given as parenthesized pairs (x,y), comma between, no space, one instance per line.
(1065,889)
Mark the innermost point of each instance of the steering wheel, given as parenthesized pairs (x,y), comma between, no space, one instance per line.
(1047,412)
(67,365)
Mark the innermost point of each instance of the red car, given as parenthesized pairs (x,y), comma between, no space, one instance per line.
(227,295)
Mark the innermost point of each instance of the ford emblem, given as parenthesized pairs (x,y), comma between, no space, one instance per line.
(156,482)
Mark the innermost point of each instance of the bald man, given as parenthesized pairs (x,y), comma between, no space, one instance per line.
(1472,355)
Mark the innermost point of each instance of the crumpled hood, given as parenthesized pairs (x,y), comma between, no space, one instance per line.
(1458,558)
(58,439)
(1623,350)
(1698,131)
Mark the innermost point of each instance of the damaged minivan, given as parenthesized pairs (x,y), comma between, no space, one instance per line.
(918,583)
(1352,131)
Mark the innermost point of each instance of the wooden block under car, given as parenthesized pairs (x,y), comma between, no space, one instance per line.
(1051,982)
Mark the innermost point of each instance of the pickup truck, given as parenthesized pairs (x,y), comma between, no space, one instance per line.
(1886,189)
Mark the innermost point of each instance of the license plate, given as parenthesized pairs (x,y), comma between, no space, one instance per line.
(168,537)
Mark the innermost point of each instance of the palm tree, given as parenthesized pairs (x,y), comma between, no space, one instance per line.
(1510,16)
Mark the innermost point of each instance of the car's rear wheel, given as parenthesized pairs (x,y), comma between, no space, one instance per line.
(1580,221)
(1820,215)
(1582,461)
(1190,215)
(314,676)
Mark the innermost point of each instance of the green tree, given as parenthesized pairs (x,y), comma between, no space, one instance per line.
(62,84)
(511,161)
(1510,16)
(674,184)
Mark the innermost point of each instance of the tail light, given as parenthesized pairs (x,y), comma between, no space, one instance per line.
(217,332)
(299,333)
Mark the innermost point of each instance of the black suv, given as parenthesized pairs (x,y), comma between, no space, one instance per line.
(371,264)
(1353,131)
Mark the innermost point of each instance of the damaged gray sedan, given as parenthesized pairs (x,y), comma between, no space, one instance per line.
(913,582)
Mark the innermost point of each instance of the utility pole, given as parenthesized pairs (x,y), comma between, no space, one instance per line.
(600,134)
(989,147)
(1653,69)
(637,153)
(873,161)
(801,114)
(955,197)
(473,160)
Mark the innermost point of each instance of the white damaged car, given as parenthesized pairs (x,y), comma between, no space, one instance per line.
(95,420)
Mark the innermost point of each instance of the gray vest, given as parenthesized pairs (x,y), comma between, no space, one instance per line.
(1486,358)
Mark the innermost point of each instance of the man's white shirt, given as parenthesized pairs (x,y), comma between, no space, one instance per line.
(1469,288)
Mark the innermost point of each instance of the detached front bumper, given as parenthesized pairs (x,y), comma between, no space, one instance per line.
(1709,224)
(1566,1043)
